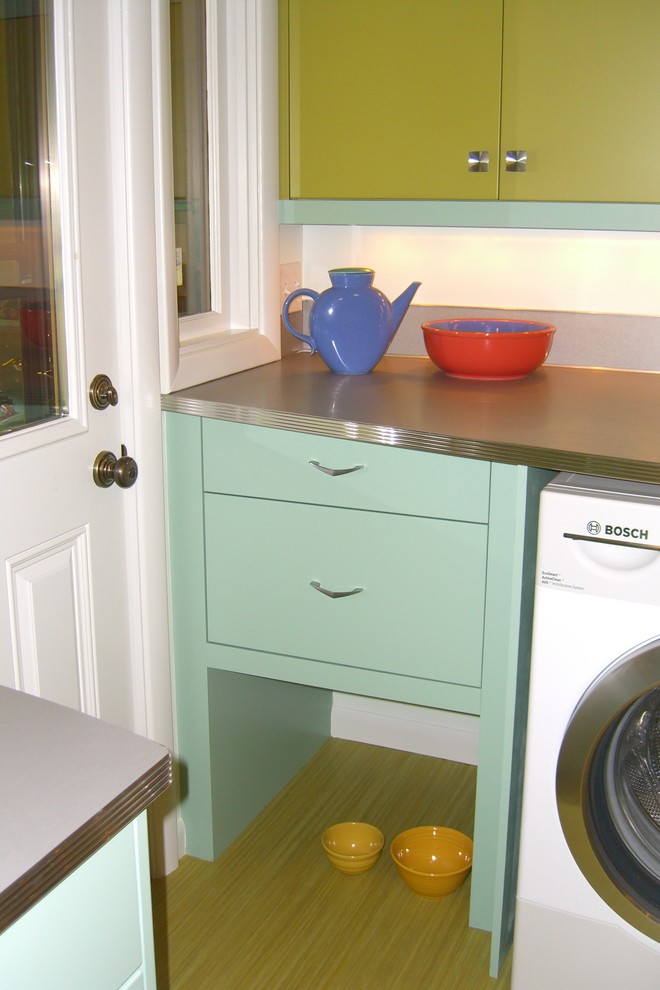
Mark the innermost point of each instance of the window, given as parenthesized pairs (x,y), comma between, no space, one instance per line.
(217,185)
(190,164)
(33,385)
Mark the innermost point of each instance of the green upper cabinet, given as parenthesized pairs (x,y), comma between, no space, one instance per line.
(581,94)
(388,101)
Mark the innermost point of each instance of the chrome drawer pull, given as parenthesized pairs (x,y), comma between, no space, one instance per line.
(334,594)
(333,472)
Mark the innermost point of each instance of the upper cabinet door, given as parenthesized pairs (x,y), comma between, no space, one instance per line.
(580,96)
(389,100)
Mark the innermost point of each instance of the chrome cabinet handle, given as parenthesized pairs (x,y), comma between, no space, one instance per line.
(334,594)
(478,161)
(516,161)
(333,472)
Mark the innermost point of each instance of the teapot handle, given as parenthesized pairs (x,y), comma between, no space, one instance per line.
(305,337)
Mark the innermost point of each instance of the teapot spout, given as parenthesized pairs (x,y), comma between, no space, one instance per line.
(401,304)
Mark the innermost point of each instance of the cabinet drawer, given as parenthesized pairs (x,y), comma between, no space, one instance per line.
(266,463)
(419,611)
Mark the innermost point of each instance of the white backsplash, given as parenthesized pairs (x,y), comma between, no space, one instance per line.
(601,340)
(601,289)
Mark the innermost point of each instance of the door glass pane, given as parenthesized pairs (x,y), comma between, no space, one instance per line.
(32,365)
(190,141)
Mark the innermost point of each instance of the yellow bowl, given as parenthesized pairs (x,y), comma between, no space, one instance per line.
(433,861)
(353,847)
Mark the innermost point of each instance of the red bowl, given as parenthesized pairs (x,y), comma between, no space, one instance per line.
(493,350)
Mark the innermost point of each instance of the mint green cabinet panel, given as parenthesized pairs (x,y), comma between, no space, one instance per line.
(387,99)
(402,687)
(94,930)
(239,738)
(508,627)
(581,92)
(261,732)
(443,550)
(267,463)
(419,586)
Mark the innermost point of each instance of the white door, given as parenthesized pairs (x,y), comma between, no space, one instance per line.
(83,617)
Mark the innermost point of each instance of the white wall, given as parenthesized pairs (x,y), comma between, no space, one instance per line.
(580,271)
(445,735)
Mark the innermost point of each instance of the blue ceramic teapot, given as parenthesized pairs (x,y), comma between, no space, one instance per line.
(351,324)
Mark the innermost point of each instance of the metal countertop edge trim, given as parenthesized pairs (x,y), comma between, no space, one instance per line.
(24,893)
(530,456)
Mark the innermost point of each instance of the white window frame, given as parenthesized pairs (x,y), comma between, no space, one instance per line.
(66,248)
(243,329)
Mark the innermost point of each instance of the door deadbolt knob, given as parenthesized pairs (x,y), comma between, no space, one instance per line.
(109,470)
(102,393)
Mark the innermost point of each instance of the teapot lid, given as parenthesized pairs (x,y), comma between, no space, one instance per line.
(351,271)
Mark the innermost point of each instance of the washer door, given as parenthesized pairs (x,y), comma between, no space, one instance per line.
(608,786)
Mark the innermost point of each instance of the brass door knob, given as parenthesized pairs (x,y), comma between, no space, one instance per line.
(109,470)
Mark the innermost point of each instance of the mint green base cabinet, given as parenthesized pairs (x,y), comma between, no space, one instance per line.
(93,931)
(428,561)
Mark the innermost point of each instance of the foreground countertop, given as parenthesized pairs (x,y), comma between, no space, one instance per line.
(69,783)
(589,420)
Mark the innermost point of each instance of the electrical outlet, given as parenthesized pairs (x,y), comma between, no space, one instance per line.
(290,279)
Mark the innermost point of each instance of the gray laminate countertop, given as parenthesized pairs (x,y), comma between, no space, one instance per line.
(69,782)
(590,420)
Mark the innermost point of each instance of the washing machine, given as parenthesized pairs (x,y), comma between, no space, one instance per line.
(588,895)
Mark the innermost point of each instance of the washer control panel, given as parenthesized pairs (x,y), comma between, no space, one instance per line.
(600,537)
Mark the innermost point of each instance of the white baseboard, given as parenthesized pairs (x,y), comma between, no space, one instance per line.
(446,735)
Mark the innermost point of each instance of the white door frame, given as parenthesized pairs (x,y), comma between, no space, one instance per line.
(146,279)
(130,25)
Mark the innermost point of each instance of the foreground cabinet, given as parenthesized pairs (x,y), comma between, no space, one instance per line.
(303,565)
(93,930)
(75,898)
(408,101)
